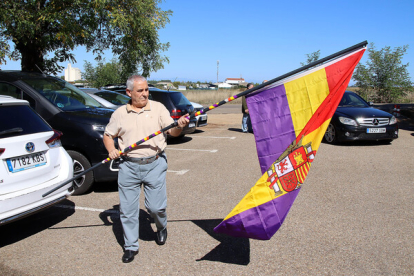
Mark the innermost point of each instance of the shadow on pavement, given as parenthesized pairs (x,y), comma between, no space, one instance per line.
(111,217)
(19,230)
(230,250)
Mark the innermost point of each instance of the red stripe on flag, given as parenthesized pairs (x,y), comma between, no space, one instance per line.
(339,73)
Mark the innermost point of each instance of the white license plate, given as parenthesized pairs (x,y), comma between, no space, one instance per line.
(25,162)
(191,125)
(376,130)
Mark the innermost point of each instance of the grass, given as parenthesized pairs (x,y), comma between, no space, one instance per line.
(208,97)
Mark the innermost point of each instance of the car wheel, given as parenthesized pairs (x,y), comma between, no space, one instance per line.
(80,164)
(330,134)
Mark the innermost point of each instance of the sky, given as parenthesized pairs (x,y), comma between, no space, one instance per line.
(264,39)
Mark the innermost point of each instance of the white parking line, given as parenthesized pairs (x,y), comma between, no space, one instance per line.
(213,151)
(213,137)
(178,172)
(86,209)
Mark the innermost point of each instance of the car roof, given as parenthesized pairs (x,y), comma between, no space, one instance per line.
(13,75)
(8,100)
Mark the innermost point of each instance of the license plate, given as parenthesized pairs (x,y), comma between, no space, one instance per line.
(376,130)
(191,125)
(25,162)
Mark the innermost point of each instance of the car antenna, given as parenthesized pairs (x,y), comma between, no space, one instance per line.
(40,70)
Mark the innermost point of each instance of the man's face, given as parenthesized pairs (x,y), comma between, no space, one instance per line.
(139,95)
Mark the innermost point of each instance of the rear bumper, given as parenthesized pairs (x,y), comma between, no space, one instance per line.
(26,202)
(201,120)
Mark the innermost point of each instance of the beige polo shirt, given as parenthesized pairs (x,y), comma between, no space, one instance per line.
(131,126)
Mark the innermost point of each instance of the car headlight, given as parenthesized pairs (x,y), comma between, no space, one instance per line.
(98,127)
(348,121)
(393,120)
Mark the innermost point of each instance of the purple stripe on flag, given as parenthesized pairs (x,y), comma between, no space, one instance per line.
(272,124)
(259,222)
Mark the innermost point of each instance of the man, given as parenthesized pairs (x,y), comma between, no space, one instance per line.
(246,123)
(145,164)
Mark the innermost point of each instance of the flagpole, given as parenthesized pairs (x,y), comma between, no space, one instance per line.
(248,91)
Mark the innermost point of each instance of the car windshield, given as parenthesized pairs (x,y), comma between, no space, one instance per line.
(115,98)
(62,94)
(352,100)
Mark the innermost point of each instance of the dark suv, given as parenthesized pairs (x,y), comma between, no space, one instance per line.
(81,118)
(177,104)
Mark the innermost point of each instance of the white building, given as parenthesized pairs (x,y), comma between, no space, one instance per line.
(234,81)
(72,74)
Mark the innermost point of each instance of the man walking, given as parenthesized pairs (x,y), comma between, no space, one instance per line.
(145,165)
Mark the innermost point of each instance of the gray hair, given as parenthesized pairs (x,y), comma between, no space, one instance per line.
(132,79)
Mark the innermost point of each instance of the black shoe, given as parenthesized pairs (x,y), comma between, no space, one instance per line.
(161,237)
(129,256)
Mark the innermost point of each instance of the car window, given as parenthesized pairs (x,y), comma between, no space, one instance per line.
(114,98)
(62,94)
(21,120)
(352,100)
(163,98)
(179,99)
(10,90)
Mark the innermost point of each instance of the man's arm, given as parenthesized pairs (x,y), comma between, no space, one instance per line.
(110,146)
(182,122)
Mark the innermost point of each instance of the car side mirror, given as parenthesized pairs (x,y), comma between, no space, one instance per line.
(370,103)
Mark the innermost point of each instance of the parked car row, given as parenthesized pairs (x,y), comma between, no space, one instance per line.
(51,130)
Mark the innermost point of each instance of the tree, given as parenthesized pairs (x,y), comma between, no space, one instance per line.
(312,57)
(104,73)
(384,78)
(46,32)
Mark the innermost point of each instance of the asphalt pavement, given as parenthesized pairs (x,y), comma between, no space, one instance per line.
(353,216)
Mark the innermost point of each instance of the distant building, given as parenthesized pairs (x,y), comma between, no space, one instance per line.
(223,85)
(166,85)
(182,87)
(72,74)
(234,81)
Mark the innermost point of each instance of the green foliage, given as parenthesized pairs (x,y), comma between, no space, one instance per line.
(384,78)
(46,32)
(312,57)
(104,73)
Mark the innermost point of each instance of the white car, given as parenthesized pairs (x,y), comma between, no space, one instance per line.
(201,119)
(32,162)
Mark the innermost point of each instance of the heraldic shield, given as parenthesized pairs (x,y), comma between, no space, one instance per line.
(290,170)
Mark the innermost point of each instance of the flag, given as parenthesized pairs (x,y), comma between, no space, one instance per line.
(289,120)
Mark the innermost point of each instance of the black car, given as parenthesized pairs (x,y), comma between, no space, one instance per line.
(81,118)
(355,119)
(177,104)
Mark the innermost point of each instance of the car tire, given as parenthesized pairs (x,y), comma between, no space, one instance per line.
(80,164)
(331,134)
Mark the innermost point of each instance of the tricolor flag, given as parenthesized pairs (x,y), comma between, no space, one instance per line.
(289,119)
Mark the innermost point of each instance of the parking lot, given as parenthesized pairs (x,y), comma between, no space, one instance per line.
(353,216)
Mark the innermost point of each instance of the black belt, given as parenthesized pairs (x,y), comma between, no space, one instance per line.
(143,160)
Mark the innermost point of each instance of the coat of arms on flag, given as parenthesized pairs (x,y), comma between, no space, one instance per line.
(290,169)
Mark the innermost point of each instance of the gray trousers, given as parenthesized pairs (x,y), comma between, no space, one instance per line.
(131,177)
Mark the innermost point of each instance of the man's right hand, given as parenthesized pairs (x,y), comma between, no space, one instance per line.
(114,154)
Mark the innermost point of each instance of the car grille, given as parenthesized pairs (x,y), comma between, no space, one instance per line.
(373,122)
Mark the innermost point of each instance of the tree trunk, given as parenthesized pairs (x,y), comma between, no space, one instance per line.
(31,56)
